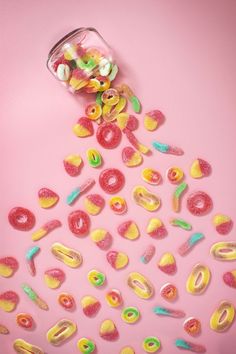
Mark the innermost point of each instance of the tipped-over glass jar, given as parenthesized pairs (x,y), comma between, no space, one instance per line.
(83,61)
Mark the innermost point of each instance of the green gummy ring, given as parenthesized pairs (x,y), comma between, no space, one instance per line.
(130,314)
(151,344)
(86,66)
(98,279)
(89,347)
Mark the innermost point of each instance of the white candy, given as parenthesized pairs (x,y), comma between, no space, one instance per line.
(104,67)
(63,72)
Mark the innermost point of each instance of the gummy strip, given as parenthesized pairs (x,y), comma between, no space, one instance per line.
(32,295)
(167,149)
(190,243)
(183,344)
(163,311)
(181,223)
(177,196)
(79,190)
(45,229)
(31,253)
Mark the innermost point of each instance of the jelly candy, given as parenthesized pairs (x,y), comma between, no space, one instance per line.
(151,344)
(192,326)
(167,263)
(21,346)
(134,141)
(153,119)
(224,251)
(4,330)
(24,320)
(93,111)
(102,238)
(71,198)
(178,193)
(181,223)
(114,298)
(222,223)
(111,180)
(94,203)
(151,176)
(175,175)
(83,127)
(54,278)
(8,301)
(129,230)
(118,205)
(79,222)
(61,331)
(90,306)
(230,278)
(222,318)
(167,149)
(163,311)
(110,97)
(117,260)
(8,266)
(33,296)
(94,157)
(30,254)
(128,93)
(66,301)
(169,292)
(148,254)
(108,135)
(130,157)
(198,279)
(47,198)
(96,278)
(199,203)
(141,286)
(200,168)
(108,330)
(188,245)
(183,344)
(73,164)
(45,229)
(68,256)
(86,346)
(156,228)
(145,199)
(21,219)
(130,314)
(127,350)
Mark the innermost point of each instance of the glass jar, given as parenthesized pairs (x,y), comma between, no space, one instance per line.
(83,61)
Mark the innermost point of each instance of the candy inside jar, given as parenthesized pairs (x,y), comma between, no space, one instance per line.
(83,62)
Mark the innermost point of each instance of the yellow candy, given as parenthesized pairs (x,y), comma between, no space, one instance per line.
(224,251)
(102,238)
(111,113)
(68,256)
(23,347)
(127,350)
(86,345)
(122,120)
(156,228)
(167,263)
(90,305)
(198,279)
(117,260)
(93,111)
(70,52)
(151,176)
(129,230)
(131,157)
(62,331)
(222,318)
(77,84)
(108,330)
(118,205)
(141,286)
(153,119)
(146,199)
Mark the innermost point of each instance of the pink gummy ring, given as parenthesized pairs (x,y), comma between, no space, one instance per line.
(79,222)
(199,203)
(21,218)
(108,135)
(111,180)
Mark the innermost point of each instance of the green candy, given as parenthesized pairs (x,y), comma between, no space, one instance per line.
(181,223)
(99,98)
(135,104)
(89,65)
(94,157)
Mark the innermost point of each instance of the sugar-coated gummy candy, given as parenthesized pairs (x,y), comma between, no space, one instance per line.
(82,188)
(90,305)
(151,176)
(156,228)
(151,344)
(164,311)
(128,229)
(223,316)
(126,121)
(83,127)
(148,254)
(108,135)
(21,346)
(114,298)
(111,180)
(175,175)
(181,223)
(108,330)
(33,296)
(223,224)
(192,326)
(146,199)
(199,203)
(130,314)
(127,350)
(114,72)
(94,203)
(66,300)
(177,196)
(198,279)
(30,256)
(79,222)
(93,111)
(130,157)
(183,344)
(169,292)
(230,278)
(68,256)
(45,229)
(118,205)
(61,332)
(102,238)
(9,300)
(112,113)
(135,142)
(96,278)
(153,119)
(24,320)
(200,168)
(86,345)
(54,277)
(141,285)
(4,330)
(21,219)
(94,157)
(47,198)
(190,243)
(167,149)
(167,263)
(8,266)
(73,164)
(110,97)
(118,260)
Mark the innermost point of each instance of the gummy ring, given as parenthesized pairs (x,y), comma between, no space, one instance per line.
(146,199)
(222,317)
(175,175)
(192,326)
(79,222)
(114,298)
(24,320)
(108,135)
(86,346)
(199,203)
(110,97)
(151,176)
(94,157)
(130,314)
(62,330)
(141,286)
(93,111)
(21,346)
(168,292)
(21,218)
(96,278)
(111,180)
(118,205)
(66,300)
(151,344)
(104,83)
(198,279)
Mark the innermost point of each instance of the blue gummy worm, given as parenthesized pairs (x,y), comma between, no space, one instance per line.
(195,238)
(73,195)
(32,252)
(160,147)
(161,311)
(181,343)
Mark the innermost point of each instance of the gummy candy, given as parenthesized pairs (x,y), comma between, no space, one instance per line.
(71,198)
(130,314)
(151,176)
(175,175)
(192,326)
(108,135)
(167,149)
(90,306)
(102,238)
(199,203)
(169,292)
(141,286)
(94,157)
(79,222)
(47,198)
(178,193)
(8,266)
(111,180)
(230,278)
(94,203)
(54,278)
(145,199)
(167,263)
(183,344)
(224,251)
(61,331)
(188,245)
(86,345)
(153,119)
(117,260)
(129,230)
(130,157)
(223,224)
(66,301)
(156,228)
(200,168)
(96,278)
(8,301)
(83,127)
(73,164)
(114,298)
(222,318)
(21,218)
(118,205)
(151,344)
(33,296)
(24,320)
(108,330)
(30,254)
(45,229)
(198,279)
(163,311)
(148,254)
(68,256)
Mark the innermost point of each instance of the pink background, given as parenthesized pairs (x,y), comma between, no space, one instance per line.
(179,56)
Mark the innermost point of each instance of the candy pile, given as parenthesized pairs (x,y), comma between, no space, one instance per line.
(90,71)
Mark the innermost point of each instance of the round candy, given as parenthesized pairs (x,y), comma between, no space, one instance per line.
(83,127)
(167,263)
(96,278)
(117,260)
(94,157)
(230,278)
(111,180)
(200,168)
(198,279)
(224,251)
(129,230)
(151,344)
(223,224)
(118,205)
(21,218)
(169,292)
(175,175)
(141,286)
(222,318)
(24,320)
(68,256)
(79,222)
(131,157)
(62,331)
(146,199)
(47,198)
(8,301)
(102,238)
(199,203)
(54,278)
(151,176)
(66,300)
(108,135)
(73,164)
(8,266)
(86,346)
(192,326)
(130,314)
(93,111)
(104,83)
(94,203)
(114,298)
(90,305)
(156,228)
(153,119)
(108,330)
(127,350)
(110,97)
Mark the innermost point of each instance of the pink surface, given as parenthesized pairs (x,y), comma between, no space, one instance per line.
(179,56)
